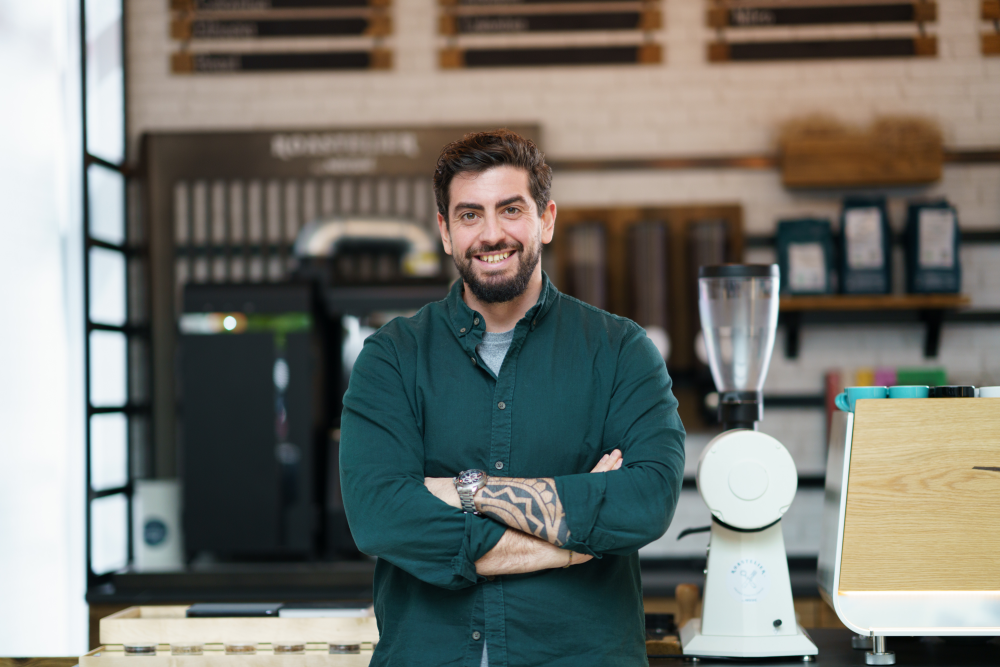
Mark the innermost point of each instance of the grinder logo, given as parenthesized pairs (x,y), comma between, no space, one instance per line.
(748,581)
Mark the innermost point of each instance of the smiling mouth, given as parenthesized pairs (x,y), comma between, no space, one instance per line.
(495,257)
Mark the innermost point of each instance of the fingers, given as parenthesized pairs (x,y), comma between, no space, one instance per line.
(579,558)
(600,467)
(609,462)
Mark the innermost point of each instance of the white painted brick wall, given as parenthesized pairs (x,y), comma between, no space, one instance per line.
(685,106)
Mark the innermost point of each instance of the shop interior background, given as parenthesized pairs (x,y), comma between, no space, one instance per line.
(684,106)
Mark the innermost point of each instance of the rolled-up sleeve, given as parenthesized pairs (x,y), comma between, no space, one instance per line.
(391,513)
(620,511)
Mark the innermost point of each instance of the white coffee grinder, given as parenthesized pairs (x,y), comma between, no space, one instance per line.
(746,478)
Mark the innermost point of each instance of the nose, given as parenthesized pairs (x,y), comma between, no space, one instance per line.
(492,231)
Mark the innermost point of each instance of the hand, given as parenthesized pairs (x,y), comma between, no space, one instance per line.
(444,489)
(609,462)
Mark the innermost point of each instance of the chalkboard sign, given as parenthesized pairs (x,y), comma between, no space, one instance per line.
(250,22)
(745,17)
(217,63)
(730,18)
(250,5)
(823,49)
(465,22)
(185,29)
(500,23)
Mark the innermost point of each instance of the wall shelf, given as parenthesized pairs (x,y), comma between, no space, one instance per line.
(930,309)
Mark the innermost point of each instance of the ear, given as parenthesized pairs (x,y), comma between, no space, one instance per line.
(445,234)
(548,222)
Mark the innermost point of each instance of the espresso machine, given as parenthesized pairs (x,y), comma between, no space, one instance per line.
(746,478)
(911,530)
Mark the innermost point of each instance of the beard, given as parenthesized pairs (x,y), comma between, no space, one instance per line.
(497,289)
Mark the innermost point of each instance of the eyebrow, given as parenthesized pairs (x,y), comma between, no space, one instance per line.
(500,204)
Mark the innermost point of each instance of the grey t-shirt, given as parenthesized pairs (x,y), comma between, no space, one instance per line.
(493,349)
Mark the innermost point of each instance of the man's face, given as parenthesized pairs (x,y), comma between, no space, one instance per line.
(495,233)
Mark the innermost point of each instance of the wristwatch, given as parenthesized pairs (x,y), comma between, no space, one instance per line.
(467,483)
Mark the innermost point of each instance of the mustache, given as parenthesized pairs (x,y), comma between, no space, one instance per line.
(496,247)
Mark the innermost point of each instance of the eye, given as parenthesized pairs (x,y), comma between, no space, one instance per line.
(512,210)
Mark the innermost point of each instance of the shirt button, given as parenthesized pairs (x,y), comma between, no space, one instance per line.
(462,330)
(473,359)
(476,635)
(498,465)
(475,321)
(491,577)
(501,405)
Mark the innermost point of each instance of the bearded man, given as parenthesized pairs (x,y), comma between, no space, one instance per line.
(505,452)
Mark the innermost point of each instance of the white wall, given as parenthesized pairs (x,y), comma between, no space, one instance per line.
(42,609)
(684,107)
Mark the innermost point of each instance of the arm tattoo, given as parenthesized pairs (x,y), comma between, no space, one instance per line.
(531,506)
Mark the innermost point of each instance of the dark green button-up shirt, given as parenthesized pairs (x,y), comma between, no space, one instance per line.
(576,383)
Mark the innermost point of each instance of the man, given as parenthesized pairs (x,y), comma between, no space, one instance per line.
(556,417)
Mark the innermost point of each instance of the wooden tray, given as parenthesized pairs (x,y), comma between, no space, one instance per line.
(215,656)
(168,624)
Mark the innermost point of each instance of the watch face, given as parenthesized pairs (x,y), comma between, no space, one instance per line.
(470,477)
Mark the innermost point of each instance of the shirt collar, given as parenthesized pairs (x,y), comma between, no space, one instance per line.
(464,319)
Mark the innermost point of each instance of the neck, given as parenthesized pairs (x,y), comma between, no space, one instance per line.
(501,317)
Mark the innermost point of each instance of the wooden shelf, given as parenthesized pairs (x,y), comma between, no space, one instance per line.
(835,302)
(929,309)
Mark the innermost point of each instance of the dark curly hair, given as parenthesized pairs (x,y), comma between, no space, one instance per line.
(480,151)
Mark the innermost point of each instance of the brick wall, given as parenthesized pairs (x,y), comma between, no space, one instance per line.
(685,106)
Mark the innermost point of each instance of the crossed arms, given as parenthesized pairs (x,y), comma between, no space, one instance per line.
(533,513)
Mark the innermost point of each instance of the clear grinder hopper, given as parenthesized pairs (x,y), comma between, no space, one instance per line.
(738,304)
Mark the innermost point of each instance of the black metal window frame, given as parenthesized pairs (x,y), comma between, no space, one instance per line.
(132,250)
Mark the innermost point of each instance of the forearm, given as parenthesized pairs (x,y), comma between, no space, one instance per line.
(530,505)
(517,553)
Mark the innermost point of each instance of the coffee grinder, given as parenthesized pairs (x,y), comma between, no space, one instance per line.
(746,478)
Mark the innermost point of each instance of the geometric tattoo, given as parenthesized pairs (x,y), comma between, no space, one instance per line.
(530,505)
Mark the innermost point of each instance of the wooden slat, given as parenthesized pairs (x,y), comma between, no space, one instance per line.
(990,10)
(991,44)
(922,498)
(925,47)
(847,302)
(718,52)
(650,54)
(451,59)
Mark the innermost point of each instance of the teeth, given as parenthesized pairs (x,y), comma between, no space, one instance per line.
(493,259)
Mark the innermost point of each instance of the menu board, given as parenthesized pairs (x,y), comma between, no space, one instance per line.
(254,35)
(759,30)
(533,33)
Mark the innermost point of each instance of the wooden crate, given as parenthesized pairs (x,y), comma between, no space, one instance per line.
(857,161)
(168,624)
